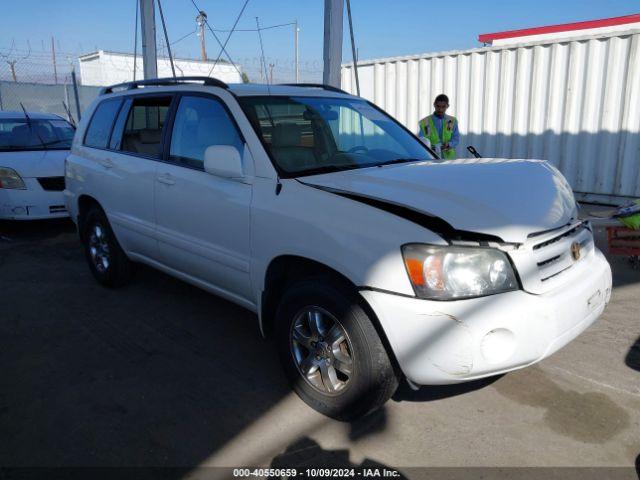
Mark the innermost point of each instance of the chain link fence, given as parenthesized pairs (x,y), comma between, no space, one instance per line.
(42,81)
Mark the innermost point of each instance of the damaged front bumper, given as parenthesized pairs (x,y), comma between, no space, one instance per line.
(444,342)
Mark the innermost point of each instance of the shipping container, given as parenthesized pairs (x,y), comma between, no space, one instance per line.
(575,103)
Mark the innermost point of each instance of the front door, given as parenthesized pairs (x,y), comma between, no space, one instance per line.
(202,219)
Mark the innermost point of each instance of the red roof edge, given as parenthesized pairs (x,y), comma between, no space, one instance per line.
(565,27)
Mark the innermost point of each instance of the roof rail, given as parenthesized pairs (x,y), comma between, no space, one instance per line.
(208,81)
(316,85)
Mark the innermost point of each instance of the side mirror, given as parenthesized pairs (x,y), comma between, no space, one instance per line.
(223,161)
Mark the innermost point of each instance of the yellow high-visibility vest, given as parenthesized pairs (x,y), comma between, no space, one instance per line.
(431,132)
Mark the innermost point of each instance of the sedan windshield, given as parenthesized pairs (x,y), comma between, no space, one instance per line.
(20,135)
(309,135)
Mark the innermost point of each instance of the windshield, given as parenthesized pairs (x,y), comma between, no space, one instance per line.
(17,134)
(308,135)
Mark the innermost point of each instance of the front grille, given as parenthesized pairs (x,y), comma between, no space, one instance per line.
(553,256)
(54,184)
(57,209)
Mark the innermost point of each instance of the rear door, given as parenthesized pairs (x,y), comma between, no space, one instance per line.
(135,148)
(202,219)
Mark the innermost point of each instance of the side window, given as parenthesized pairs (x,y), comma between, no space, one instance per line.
(100,126)
(143,129)
(200,123)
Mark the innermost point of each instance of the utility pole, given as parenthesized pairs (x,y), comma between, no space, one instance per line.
(148,26)
(53,54)
(271,65)
(200,20)
(296,32)
(332,51)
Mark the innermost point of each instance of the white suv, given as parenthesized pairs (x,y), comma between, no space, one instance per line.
(368,260)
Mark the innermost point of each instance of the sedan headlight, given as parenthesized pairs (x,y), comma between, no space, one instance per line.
(9,178)
(449,273)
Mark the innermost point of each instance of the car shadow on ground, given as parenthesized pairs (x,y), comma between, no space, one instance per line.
(438,392)
(158,373)
(15,231)
(306,453)
(632,360)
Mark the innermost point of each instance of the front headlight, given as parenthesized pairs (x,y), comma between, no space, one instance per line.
(449,273)
(9,178)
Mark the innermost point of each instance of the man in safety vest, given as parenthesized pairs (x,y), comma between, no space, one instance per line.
(441,130)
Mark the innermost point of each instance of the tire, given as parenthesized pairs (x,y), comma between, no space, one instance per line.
(107,261)
(353,390)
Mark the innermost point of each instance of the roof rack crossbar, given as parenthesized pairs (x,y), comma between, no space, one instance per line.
(330,88)
(208,81)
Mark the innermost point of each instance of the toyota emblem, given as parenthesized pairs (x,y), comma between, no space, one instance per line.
(576,251)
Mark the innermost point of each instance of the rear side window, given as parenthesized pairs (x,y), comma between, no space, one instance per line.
(143,128)
(99,128)
(200,123)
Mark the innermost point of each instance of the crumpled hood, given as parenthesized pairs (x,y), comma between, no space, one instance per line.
(506,198)
(36,163)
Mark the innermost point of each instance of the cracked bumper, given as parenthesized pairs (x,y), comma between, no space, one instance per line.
(451,342)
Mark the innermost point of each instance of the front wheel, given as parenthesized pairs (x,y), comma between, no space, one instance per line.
(331,351)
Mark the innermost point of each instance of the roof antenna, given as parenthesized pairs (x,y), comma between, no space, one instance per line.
(166,39)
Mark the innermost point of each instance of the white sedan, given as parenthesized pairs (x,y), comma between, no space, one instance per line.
(33,148)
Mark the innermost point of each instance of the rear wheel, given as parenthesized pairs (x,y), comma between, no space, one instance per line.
(330,350)
(107,261)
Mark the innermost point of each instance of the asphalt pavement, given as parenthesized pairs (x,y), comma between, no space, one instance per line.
(160,373)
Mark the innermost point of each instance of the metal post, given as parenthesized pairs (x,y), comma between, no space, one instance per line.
(135,42)
(55,69)
(332,51)
(148,26)
(66,99)
(75,92)
(353,48)
(166,38)
(263,61)
(296,33)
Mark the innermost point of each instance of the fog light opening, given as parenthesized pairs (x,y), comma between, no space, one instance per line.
(498,345)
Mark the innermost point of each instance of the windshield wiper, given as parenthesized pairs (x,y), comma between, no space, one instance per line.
(31,129)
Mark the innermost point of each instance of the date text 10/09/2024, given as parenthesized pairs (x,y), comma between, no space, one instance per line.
(315,473)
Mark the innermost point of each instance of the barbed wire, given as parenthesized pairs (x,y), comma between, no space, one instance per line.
(38,67)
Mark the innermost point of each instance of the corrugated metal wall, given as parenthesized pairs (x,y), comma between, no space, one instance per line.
(575,103)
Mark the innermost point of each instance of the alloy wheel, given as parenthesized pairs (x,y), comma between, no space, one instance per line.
(322,350)
(99,248)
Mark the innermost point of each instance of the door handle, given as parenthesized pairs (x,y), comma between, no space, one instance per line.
(106,163)
(166,179)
